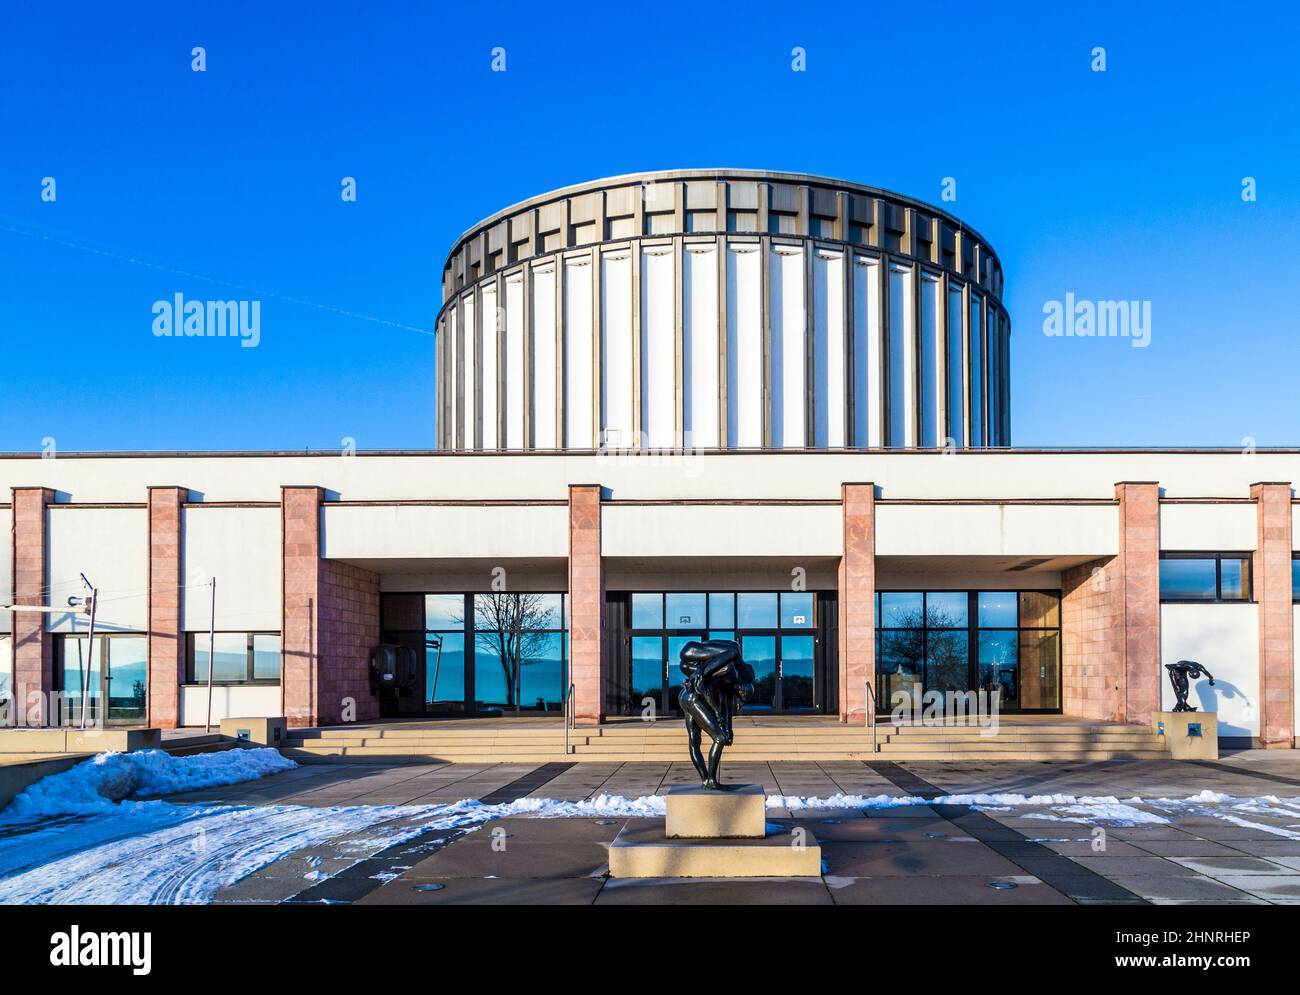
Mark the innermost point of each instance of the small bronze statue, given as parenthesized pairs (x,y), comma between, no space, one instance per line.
(717,682)
(1179,675)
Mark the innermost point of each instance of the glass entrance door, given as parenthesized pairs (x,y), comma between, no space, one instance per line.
(118,681)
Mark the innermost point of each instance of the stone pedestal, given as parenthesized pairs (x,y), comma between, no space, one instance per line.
(262,731)
(1188,735)
(698,813)
(713,834)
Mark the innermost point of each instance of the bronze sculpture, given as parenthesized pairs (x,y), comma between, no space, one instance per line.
(1179,675)
(718,681)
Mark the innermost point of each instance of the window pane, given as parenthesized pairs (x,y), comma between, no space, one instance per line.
(673,668)
(946,609)
(647,672)
(901,656)
(723,634)
(760,653)
(232,657)
(444,672)
(128,668)
(997,608)
(1040,668)
(444,611)
(1295,579)
(541,672)
(685,610)
(266,658)
(796,611)
(1234,578)
(6,666)
(947,668)
(722,610)
(756,611)
(494,678)
(900,355)
(544,611)
(647,611)
(1039,610)
(796,672)
(1187,579)
(900,610)
(998,668)
(956,365)
(516,612)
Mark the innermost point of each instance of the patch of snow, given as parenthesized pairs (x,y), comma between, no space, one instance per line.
(98,785)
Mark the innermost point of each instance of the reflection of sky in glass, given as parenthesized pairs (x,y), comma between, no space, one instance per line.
(722,610)
(756,611)
(946,609)
(796,611)
(900,609)
(997,608)
(647,611)
(444,611)
(685,610)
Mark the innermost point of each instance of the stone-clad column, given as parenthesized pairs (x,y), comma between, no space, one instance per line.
(586,604)
(33,647)
(1271,579)
(1138,577)
(857,602)
(166,638)
(329,626)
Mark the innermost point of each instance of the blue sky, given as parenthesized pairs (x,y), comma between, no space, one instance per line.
(1117,185)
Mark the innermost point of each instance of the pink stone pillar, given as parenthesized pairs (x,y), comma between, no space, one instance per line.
(1138,577)
(166,638)
(33,647)
(1271,579)
(857,602)
(586,604)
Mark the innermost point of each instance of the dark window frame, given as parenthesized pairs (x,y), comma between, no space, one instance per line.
(1295,588)
(192,680)
(1218,558)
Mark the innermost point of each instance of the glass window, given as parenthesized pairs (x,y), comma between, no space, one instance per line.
(901,610)
(999,670)
(6,667)
(1295,578)
(796,672)
(231,649)
(997,609)
(796,611)
(647,611)
(900,333)
(956,364)
(444,671)
(946,609)
(541,672)
(128,669)
(1187,579)
(1039,610)
(266,657)
(976,373)
(931,348)
(444,611)
(685,610)
(647,671)
(1234,578)
(722,610)
(1040,669)
(756,611)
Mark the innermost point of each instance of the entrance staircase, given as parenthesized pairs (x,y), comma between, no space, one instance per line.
(1017,738)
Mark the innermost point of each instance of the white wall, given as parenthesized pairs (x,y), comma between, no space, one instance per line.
(1225,638)
(993,530)
(250,701)
(1207,527)
(111,547)
(442,531)
(898,475)
(241,548)
(721,530)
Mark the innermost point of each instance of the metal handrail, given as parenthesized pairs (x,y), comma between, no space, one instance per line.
(567,699)
(871,714)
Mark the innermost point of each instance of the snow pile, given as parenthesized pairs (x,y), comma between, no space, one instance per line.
(97,785)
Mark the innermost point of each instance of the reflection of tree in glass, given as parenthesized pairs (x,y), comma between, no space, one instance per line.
(507,626)
(903,643)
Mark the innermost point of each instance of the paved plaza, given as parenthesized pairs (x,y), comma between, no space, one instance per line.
(919,854)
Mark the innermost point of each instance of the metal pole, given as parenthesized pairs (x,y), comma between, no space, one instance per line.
(437,664)
(90,650)
(212,663)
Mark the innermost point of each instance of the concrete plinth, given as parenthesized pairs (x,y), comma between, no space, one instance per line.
(262,731)
(1188,735)
(641,851)
(701,813)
